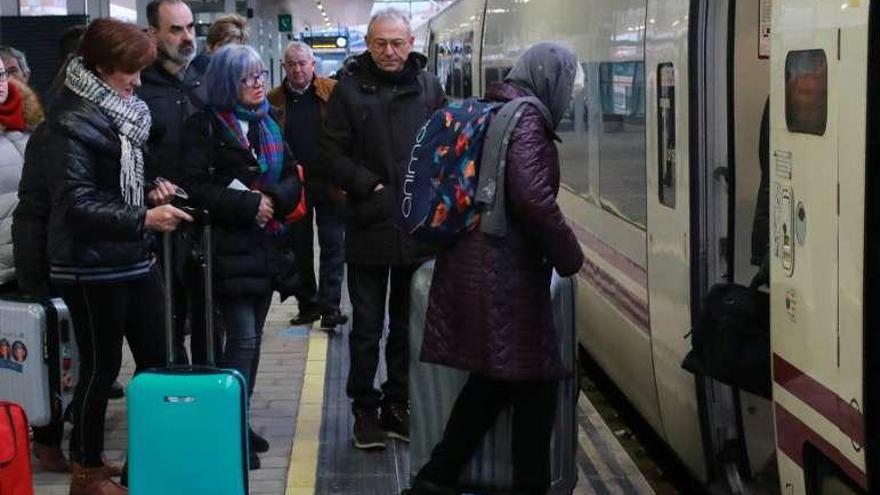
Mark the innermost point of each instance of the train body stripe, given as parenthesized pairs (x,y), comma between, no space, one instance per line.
(792,434)
(633,307)
(820,398)
(614,257)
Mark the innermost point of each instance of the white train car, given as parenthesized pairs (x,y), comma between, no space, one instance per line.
(660,170)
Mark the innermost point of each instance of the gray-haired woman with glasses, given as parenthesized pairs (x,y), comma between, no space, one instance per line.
(238,168)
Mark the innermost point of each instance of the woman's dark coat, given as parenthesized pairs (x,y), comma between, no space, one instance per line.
(489,310)
(247,260)
(90,225)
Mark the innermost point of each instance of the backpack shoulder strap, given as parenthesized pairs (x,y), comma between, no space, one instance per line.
(493,164)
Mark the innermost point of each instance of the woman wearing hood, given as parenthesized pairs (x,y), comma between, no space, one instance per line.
(489,310)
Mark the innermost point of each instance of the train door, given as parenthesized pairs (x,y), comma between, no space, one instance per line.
(669,263)
(817,156)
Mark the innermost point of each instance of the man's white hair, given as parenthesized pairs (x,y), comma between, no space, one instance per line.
(300,47)
(389,14)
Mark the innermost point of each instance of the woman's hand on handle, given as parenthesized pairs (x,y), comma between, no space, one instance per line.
(165,218)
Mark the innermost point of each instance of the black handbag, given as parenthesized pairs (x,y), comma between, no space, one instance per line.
(731,341)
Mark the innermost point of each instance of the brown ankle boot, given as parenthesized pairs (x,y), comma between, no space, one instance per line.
(93,481)
(51,458)
(114,469)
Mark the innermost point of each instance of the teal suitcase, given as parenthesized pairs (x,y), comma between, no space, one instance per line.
(187,425)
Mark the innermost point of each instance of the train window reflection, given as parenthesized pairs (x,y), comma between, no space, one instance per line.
(574,159)
(806,92)
(622,183)
(454,59)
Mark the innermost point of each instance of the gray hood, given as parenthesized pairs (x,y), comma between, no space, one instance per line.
(547,70)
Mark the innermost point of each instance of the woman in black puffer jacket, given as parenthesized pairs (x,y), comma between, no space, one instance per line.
(100,228)
(238,168)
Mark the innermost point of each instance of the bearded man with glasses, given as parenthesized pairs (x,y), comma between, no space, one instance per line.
(371,126)
(172,89)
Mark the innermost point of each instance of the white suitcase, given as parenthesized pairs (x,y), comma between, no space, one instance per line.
(38,357)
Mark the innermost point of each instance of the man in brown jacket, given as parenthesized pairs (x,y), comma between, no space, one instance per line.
(302,100)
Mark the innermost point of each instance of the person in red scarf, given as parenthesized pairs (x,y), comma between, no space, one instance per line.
(20,113)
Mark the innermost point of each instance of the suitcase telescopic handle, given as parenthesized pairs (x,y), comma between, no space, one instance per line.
(169,298)
(206,262)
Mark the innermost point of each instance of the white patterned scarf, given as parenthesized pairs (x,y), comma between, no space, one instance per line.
(130,118)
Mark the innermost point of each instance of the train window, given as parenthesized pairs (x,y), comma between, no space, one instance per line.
(806,92)
(453,65)
(574,159)
(666,133)
(621,140)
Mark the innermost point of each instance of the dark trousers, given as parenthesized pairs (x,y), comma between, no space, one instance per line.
(243,321)
(475,412)
(102,315)
(327,292)
(367,287)
(49,435)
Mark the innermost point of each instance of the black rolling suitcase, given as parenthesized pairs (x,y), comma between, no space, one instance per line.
(433,390)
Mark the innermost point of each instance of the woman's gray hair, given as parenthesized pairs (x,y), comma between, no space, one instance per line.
(389,14)
(10,52)
(229,66)
(300,47)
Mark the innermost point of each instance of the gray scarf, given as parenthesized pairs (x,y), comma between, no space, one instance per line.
(130,118)
(547,70)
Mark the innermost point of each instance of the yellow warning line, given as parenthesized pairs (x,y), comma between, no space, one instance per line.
(302,472)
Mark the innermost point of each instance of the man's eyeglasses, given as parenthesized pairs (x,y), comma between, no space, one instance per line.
(255,79)
(4,75)
(397,44)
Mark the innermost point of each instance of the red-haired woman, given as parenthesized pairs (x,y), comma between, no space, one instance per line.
(101,222)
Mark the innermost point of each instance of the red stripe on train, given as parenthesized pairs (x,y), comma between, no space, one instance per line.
(820,398)
(792,435)
(618,260)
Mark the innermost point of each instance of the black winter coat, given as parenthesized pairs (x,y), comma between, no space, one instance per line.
(247,260)
(171,102)
(90,225)
(29,234)
(371,124)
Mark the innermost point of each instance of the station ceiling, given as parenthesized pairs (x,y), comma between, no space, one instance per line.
(338,12)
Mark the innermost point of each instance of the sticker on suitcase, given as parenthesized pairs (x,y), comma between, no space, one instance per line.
(13,352)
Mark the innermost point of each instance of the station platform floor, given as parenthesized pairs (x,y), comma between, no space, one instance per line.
(300,406)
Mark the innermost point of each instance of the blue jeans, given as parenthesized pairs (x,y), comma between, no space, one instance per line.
(243,319)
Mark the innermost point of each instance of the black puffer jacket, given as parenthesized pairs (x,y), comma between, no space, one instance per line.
(371,124)
(247,260)
(171,101)
(90,224)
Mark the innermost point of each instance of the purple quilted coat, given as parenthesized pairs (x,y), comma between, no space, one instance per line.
(489,309)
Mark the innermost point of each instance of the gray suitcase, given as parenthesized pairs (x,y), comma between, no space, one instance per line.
(39,363)
(433,390)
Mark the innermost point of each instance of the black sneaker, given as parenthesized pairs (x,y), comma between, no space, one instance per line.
(333,319)
(367,435)
(306,316)
(395,421)
(258,443)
